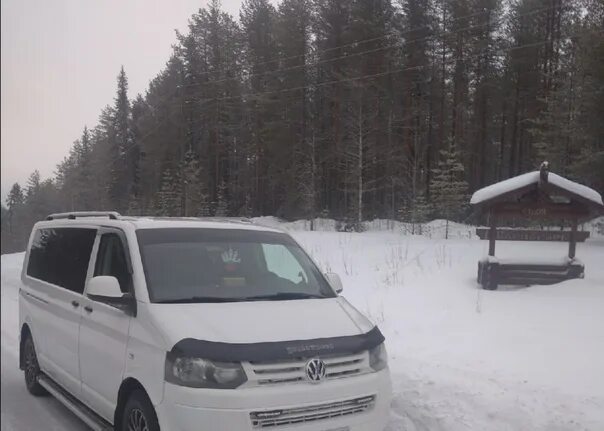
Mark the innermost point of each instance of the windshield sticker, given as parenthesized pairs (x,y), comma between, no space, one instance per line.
(231,256)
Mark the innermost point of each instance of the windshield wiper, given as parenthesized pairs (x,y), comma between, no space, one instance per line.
(284,296)
(200,299)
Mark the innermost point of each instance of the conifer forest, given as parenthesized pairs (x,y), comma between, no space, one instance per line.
(344,109)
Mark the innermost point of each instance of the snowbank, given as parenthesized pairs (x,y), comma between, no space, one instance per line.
(432,229)
(466,359)
(320,224)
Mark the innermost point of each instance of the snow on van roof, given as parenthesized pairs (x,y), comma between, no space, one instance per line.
(155,222)
(208,223)
(524,180)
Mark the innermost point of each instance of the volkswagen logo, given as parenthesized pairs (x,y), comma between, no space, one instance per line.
(315,370)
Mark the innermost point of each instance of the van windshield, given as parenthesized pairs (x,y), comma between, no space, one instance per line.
(185,265)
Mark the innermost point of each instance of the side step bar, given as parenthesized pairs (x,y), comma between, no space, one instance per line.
(90,418)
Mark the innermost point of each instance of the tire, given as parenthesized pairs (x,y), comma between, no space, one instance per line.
(139,414)
(31,368)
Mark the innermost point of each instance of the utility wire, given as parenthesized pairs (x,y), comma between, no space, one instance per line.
(371,51)
(351,79)
(384,36)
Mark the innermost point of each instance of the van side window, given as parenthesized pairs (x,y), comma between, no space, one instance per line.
(111,260)
(60,256)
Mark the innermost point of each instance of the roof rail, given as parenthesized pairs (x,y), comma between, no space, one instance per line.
(113,215)
(228,219)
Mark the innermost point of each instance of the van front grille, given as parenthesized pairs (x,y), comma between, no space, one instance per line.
(292,371)
(317,412)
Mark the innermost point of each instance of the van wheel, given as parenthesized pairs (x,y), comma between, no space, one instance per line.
(139,414)
(32,369)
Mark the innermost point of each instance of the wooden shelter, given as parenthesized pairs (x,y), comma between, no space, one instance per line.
(539,196)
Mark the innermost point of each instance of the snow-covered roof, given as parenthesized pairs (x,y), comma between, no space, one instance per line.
(161,222)
(524,180)
(209,223)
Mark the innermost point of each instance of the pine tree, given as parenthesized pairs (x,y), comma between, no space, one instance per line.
(102,159)
(449,189)
(14,202)
(134,155)
(418,140)
(293,38)
(15,220)
(258,18)
(331,35)
(587,128)
(4,231)
(15,197)
(33,186)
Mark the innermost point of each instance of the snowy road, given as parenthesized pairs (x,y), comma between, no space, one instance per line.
(462,359)
(20,411)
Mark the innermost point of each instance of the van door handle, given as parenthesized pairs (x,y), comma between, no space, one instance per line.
(88,309)
(75,303)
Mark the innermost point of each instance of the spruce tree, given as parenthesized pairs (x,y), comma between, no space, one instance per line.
(120,144)
(169,196)
(416,211)
(448,188)
(195,196)
(84,172)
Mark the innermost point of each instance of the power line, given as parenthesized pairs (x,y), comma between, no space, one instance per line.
(356,43)
(351,79)
(350,44)
(321,84)
(371,51)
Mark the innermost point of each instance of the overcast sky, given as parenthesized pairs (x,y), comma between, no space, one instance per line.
(60,60)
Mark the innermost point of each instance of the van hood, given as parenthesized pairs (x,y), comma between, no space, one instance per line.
(258,321)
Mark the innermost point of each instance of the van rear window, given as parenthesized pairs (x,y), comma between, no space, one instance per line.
(60,256)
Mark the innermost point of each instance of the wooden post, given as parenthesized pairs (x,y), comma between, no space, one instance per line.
(572,244)
(492,233)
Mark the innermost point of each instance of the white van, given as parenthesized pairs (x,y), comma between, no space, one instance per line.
(140,324)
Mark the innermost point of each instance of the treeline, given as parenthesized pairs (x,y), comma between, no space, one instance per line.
(350,109)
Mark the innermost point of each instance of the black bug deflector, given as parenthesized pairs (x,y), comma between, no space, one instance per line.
(233,352)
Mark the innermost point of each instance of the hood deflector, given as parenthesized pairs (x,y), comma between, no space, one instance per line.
(233,352)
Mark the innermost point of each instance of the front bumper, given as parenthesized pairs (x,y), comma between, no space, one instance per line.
(191,409)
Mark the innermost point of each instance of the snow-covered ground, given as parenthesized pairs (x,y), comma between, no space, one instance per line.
(520,358)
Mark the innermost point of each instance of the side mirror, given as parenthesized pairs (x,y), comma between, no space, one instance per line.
(106,289)
(334,280)
(104,286)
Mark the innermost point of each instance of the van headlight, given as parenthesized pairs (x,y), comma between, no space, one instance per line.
(378,358)
(202,373)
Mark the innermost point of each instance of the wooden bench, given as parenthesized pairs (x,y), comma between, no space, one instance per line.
(493,272)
